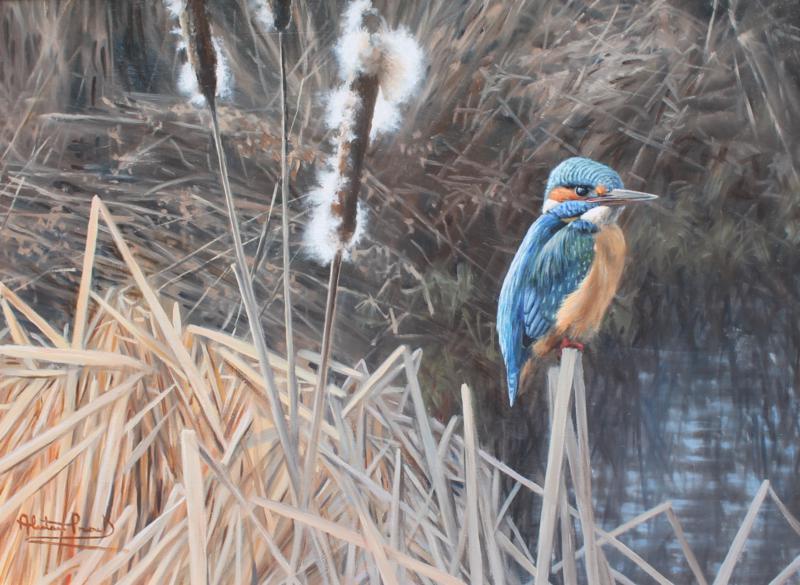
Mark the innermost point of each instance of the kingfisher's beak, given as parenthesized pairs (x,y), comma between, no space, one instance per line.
(621,197)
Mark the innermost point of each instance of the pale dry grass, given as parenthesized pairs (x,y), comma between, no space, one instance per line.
(165,430)
(169,435)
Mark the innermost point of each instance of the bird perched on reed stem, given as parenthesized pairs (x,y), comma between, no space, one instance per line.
(567,269)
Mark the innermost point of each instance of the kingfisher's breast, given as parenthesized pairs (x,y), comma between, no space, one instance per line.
(582,312)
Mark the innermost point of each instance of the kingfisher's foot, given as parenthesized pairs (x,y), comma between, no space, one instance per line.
(565,343)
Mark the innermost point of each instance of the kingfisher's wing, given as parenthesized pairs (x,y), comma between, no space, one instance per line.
(511,328)
(557,271)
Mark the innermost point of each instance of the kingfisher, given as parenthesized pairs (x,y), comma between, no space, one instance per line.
(567,269)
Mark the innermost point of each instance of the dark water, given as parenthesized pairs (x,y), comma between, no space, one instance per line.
(708,436)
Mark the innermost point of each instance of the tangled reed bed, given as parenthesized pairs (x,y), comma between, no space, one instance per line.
(164,430)
(691,102)
(155,438)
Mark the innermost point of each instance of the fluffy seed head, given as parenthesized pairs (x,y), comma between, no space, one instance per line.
(380,70)
(175,7)
(187,80)
(262,15)
(205,71)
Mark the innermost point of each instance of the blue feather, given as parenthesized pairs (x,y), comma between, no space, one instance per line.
(583,171)
(558,270)
(510,308)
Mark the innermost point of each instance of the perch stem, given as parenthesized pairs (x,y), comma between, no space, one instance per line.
(555,468)
(596,565)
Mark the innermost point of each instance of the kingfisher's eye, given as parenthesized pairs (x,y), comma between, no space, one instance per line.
(582,190)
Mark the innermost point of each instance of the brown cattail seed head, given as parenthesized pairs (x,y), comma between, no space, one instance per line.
(352,150)
(282,13)
(373,61)
(200,49)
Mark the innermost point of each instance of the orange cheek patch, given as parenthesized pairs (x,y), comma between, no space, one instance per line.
(563,194)
(601,190)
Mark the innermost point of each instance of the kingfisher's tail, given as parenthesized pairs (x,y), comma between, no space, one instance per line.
(513,385)
(518,378)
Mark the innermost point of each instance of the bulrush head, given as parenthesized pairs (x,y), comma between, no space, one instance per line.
(204,76)
(200,48)
(282,11)
(380,69)
(271,15)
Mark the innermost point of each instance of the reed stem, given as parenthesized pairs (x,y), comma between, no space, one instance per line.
(251,307)
(555,467)
(287,289)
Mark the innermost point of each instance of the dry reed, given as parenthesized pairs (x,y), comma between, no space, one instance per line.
(177,517)
(171,440)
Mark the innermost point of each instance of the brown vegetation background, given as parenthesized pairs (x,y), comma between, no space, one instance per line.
(697,101)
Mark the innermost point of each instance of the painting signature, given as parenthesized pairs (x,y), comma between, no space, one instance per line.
(69,533)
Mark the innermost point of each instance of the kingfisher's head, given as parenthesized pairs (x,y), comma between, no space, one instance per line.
(582,179)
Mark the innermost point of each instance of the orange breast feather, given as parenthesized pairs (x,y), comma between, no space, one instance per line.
(582,312)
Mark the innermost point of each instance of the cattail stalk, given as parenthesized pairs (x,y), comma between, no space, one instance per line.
(202,56)
(282,11)
(353,142)
(377,64)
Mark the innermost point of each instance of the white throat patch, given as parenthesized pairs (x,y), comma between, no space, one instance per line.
(600,215)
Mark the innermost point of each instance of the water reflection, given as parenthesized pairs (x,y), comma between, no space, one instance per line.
(706,439)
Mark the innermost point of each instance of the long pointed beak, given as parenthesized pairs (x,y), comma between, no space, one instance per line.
(622,197)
